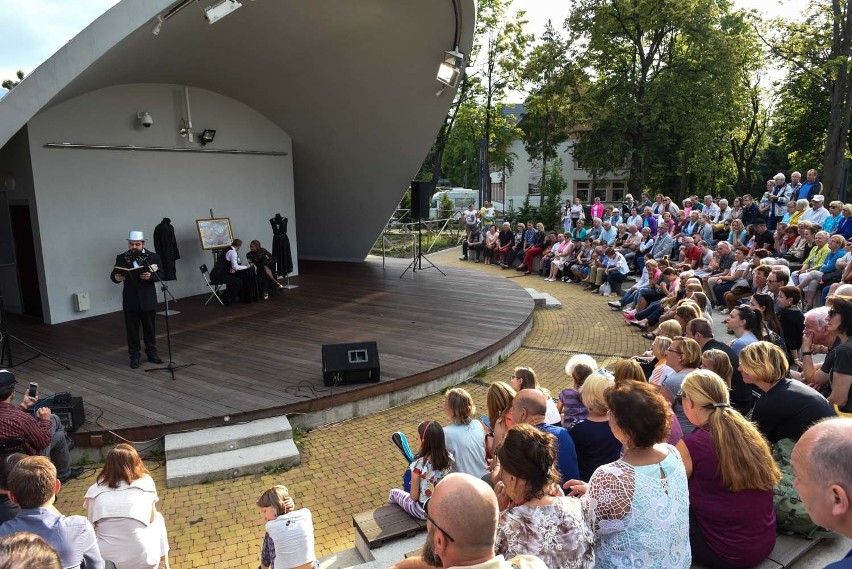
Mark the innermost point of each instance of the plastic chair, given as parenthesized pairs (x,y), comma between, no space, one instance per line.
(214,288)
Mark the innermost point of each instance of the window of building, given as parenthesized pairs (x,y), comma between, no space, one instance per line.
(618,191)
(534,189)
(581,190)
(601,191)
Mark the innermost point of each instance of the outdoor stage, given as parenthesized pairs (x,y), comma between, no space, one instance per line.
(264,359)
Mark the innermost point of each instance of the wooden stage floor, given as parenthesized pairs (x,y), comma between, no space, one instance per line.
(264,359)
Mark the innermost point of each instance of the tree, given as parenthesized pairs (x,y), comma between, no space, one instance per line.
(821,51)
(747,140)
(10,83)
(551,195)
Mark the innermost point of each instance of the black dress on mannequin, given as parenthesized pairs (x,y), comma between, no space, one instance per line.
(281,246)
(166,247)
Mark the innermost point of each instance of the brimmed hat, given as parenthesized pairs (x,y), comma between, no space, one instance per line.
(136,236)
(7,378)
(818,198)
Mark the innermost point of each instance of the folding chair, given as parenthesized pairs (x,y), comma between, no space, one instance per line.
(214,288)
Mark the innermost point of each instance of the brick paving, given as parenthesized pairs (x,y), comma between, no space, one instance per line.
(349,467)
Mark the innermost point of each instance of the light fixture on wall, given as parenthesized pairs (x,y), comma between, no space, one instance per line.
(207,136)
(158,26)
(144,119)
(451,68)
(220,9)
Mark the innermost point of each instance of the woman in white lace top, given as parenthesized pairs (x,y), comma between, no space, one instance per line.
(553,528)
(639,505)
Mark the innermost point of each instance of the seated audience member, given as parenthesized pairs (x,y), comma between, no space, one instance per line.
(25,550)
(844,227)
(533,249)
(840,322)
(772,331)
(640,503)
(791,318)
(821,261)
(737,274)
(517,248)
(498,401)
(629,370)
(818,213)
(492,242)
(759,276)
(561,253)
(817,338)
(290,530)
(650,273)
(33,487)
(785,408)
(719,363)
(8,509)
(41,433)
(225,272)
(737,236)
(802,207)
(121,505)
(821,462)
(433,462)
(661,369)
(473,245)
(592,437)
(578,368)
(528,458)
(525,378)
(747,325)
(462,526)
(763,237)
(506,239)
(265,262)
(465,436)
(684,358)
(731,479)
(616,271)
(834,216)
(529,408)
(579,233)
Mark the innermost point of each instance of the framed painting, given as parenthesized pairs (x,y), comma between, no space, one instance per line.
(214,233)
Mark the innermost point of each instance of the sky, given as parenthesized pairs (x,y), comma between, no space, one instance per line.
(35,29)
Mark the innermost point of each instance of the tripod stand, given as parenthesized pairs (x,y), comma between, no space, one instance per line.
(6,343)
(416,263)
(171,367)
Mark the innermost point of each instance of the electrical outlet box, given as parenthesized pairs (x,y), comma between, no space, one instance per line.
(81,301)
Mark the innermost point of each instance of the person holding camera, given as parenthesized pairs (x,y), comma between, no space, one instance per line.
(139,271)
(40,433)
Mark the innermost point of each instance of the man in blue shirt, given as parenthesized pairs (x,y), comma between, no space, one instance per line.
(823,478)
(33,487)
(530,406)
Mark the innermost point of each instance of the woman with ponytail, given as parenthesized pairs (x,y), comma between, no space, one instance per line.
(731,478)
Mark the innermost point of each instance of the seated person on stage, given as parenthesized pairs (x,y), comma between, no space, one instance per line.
(264,261)
(33,487)
(474,243)
(225,272)
(39,434)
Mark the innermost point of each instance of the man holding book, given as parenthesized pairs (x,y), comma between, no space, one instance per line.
(139,270)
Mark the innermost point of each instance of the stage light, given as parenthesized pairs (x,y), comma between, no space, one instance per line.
(450,69)
(219,10)
(158,26)
(207,136)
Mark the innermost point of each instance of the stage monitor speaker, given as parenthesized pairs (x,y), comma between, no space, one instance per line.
(350,363)
(421,193)
(71,413)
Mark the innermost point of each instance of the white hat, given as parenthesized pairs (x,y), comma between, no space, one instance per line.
(136,236)
(818,198)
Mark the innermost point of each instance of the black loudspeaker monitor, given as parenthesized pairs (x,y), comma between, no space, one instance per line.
(350,363)
(421,193)
(71,413)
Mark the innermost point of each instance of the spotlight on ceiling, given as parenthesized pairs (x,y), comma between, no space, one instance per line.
(450,69)
(207,136)
(158,26)
(220,9)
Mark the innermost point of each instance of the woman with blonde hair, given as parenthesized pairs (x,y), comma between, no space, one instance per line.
(731,478)
(498,401)
(787,407)
(627,370)
(719,363)
(122,506)
(661,368)
(684,357)
(593,439)
(465,436)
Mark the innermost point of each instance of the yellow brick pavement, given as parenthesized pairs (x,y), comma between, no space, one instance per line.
(349,467)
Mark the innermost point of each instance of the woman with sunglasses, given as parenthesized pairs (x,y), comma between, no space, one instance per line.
(786,407)
(840,322)
(684,357)
(536,517)
(731,478)
(641,501)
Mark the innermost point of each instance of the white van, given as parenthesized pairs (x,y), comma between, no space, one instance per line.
(461,197)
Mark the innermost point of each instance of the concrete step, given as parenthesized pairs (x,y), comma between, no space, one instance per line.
(232,463)
(543,300)
(231,437)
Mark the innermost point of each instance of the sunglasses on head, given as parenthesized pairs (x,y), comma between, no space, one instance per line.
(426,513)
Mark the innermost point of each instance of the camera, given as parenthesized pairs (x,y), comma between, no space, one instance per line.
(145,119)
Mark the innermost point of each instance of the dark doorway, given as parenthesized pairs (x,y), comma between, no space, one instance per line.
(25,256)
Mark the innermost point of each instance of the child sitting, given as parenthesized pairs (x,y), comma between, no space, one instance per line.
(578,368)
(431,465)
(289,535)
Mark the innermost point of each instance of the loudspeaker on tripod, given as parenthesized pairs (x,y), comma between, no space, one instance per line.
(421,193)
(343,364)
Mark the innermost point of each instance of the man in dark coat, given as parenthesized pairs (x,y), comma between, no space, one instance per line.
(136,268)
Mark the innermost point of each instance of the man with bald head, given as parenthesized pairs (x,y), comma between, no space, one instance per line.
(530,406)
(461,519)
(822,463)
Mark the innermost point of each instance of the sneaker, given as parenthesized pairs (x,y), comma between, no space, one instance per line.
(630,316)
(724,311)
(476,261)
(462,258)
(615,304)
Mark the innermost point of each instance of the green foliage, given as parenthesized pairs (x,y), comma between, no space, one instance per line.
(405,202)
(525,212)
(446,207)
(551,195)
(10,83)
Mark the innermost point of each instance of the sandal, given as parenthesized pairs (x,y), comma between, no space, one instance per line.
(638,324)
(649,336)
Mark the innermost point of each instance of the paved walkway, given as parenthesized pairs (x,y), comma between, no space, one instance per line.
(349,467)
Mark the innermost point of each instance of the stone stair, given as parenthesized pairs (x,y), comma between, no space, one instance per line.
(226,452)
(543,299)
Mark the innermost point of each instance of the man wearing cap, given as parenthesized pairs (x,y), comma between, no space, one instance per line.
(139,270)
(817,214)
(41,433)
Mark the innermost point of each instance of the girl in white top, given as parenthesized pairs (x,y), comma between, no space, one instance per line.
(121,505)
(465,436)
(525,378)
(291,531)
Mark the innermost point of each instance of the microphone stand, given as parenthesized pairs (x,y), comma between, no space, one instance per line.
(171,367)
